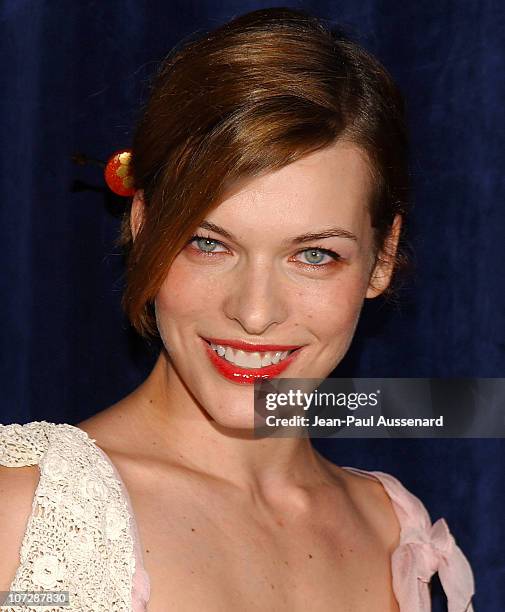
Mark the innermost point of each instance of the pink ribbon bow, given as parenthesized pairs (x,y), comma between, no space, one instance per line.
(422,553)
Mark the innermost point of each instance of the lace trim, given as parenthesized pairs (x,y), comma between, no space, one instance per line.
(78,536)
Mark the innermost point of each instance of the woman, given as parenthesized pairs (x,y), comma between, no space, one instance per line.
(271,186)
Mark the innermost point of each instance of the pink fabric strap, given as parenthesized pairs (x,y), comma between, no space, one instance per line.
(423,550)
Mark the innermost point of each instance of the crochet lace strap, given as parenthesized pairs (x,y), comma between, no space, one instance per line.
(23,444)
(78,536)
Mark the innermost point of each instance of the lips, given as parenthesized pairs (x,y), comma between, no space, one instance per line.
(242,375)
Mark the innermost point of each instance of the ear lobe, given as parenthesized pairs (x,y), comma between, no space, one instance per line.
(137,212)
(383,269)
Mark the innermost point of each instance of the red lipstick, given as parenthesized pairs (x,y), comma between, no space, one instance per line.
(247,376)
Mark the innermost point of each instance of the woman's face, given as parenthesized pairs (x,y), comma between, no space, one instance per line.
(256,285)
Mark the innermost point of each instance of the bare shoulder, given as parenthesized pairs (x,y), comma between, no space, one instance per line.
(120,432)
(370,498)
(17,490)
(112,428)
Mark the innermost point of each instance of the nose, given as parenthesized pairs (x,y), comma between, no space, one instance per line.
(256,299)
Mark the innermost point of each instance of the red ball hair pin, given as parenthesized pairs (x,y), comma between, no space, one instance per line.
(118,173)
(117,170)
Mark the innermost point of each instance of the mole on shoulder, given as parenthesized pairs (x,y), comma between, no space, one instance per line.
(310,556)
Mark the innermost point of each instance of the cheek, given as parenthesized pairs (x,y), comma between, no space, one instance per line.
(179,303)
(183,294)
(331,309)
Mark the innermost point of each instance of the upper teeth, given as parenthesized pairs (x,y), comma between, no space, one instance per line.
(246,359)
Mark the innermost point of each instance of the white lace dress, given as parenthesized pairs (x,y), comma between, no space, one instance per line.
(80,537)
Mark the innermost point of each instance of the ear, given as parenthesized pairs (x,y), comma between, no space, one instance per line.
(383,269)
(137,212)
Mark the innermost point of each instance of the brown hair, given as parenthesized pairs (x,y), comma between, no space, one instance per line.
(253,95)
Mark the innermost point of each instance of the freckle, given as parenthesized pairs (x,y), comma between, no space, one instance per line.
(147,549)
(151,401)
(193,529)
(279,522)
(286,562)
(366,590)
(341,554)
(273,587)
(310,556)
(350,550)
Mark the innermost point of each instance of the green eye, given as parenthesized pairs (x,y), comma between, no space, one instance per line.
(314,256)
(204,243)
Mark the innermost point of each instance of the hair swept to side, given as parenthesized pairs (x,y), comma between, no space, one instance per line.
(252,96)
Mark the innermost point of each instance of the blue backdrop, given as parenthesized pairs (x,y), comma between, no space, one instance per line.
(72,79)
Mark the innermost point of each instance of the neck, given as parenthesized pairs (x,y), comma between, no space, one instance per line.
(178,425)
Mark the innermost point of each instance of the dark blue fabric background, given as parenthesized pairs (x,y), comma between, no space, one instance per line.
(72,79)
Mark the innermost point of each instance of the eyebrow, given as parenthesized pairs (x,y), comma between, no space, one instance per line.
(330,232)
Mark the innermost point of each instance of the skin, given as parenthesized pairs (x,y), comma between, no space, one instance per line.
(228,521)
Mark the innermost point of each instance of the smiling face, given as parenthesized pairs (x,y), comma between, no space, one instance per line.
(249,281)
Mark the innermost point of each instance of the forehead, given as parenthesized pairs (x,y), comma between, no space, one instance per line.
(327,186)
